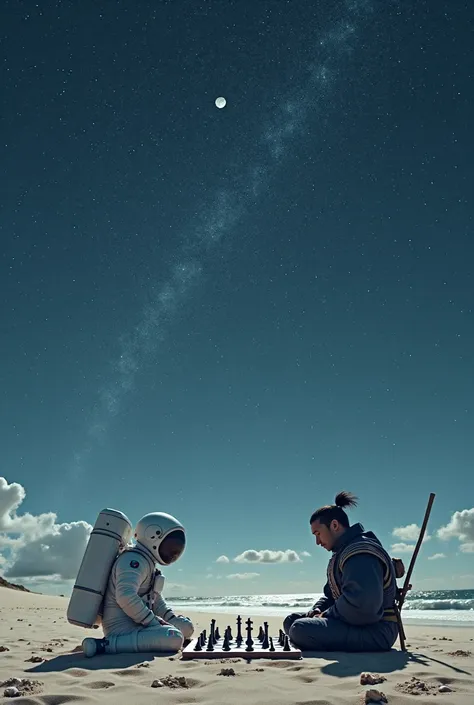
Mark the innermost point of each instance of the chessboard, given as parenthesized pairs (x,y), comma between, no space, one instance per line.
(250,645)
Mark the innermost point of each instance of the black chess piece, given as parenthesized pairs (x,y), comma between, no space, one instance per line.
(286,643)
(265,642)
(272,647)
(203,638)
(217,635)
(198,646)
(210,643)
(281,637)
(213,629)
(230,633)
(261,634)
(249,640)
(239,638)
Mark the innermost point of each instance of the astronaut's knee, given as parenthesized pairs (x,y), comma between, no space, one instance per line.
(174,639)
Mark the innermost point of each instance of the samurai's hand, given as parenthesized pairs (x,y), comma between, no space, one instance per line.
(314,613)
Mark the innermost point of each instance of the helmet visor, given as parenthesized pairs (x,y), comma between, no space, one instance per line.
(172,546)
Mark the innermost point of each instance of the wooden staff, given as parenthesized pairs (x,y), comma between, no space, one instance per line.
(406,585)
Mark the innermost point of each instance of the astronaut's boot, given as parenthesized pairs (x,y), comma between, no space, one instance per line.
(94,647)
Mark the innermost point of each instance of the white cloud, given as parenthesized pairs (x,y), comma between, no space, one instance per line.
(41,547)
(178,587)
(411,532)
(461,527)
(43,579)
(436,556)
(305,554)
(222,559)
(242,576)
(8,542)
(401,548)
(268,556)
(57,553)
(28,525)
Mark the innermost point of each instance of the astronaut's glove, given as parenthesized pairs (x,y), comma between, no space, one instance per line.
(184,624)
(157,622)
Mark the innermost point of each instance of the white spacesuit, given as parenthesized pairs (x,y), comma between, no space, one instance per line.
(134,615)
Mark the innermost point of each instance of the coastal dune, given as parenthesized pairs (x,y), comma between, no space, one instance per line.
(41,657)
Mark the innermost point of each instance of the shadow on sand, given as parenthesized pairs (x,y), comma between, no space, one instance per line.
(345,665)
(340,665)
(63,662)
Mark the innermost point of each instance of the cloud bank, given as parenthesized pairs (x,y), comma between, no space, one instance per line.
(461,527)
(40,546)
(410,532)
(267,556)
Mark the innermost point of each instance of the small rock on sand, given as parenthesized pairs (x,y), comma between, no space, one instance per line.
(11,692)
(226,672)
(371,678)
(416,687)
(21,686)
(171,682)
(445,689)
(375,696)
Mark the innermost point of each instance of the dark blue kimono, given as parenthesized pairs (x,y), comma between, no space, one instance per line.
(358,602)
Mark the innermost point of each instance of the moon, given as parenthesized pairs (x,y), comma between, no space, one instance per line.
(221,102)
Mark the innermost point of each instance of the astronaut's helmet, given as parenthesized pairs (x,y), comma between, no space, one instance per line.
(162,535)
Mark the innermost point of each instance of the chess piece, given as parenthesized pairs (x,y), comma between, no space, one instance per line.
(265,642)
(230,633)
(198,646)
(210,643)
(239,638)
(217,635)
(226,645)
(272,646)
(281,637)
(213,630)
(286,643)
(261,634)
(249,640)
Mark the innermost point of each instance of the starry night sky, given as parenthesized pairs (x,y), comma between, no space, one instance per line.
(298,265)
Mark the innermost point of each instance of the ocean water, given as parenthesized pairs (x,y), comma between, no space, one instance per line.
(442,607)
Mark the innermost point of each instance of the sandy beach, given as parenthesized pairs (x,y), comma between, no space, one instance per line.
(38,644)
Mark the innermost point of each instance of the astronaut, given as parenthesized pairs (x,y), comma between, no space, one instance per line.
(134,615)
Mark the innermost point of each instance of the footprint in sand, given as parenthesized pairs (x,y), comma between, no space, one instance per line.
(304,678)
(128,673)
(76,672)
(99,685)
